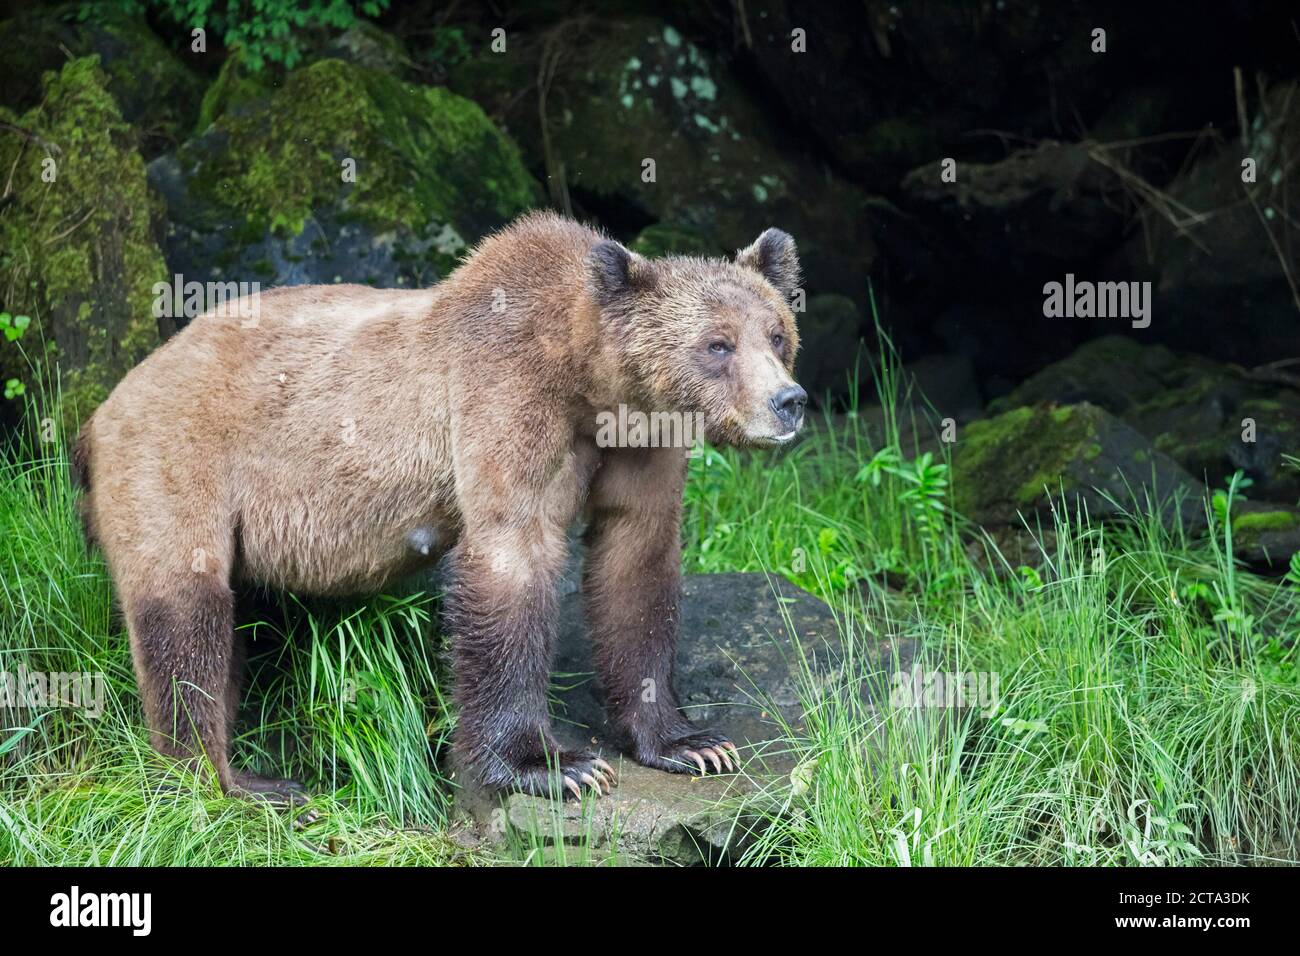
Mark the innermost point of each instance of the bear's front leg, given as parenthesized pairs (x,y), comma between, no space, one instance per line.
(632,588)
(500,608)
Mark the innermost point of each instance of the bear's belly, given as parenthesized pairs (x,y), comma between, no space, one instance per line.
(337,548)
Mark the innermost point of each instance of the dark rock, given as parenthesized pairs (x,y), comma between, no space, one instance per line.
(1265,535)
(1052,204)
(627,91)
(260,194)
(1191,408)
(829,333)
(947,383)
(883,85)
(1226,255)
(367,45)
(1020,462)
(738,671)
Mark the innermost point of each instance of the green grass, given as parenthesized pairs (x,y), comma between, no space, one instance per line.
(1147,711)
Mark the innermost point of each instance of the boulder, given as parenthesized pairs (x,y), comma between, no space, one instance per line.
(77,248)
(884,85)
(367,45)
(1112,372)
(1265,535)
(636,124)
(1023,461)
(1230,249)
(266,193)
(153,88)
(1212,418)
(946,382)
(1039,208)
(738,670)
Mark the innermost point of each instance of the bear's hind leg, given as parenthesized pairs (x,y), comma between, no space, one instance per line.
(182,643)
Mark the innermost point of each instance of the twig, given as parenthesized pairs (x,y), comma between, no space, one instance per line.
(71,229)
(1243,126)
(28,135)
(1277,248)
(744,24)
(555,179)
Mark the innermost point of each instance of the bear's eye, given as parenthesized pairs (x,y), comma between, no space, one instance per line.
(778,340)
(719,348)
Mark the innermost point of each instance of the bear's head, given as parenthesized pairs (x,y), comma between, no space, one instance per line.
(707,337)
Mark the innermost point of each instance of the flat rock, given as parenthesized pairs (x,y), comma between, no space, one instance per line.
(738,669)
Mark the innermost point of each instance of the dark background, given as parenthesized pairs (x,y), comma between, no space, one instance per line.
(1114,166)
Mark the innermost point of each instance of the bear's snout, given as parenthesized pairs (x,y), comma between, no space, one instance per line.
(788,405)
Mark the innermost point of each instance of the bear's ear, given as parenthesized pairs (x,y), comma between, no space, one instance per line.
(775,258)
(615,272)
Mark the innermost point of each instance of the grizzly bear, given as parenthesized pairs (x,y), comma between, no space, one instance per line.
(347,435)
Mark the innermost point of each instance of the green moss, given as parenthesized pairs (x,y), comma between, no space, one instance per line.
(426,159)
(1258,521)
(78,253)
(1024,450)
(232,90)
(155,91)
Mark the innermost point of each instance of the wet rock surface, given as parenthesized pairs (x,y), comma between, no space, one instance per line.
(738,671)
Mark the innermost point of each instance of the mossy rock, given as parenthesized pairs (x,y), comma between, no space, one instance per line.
(154,89)
(632,91)
(1265,535)
(235,90)
(266,193)
(367,45)
(1221,423)
(1015,463)
(79,254)
(1113,372)
(1190,407)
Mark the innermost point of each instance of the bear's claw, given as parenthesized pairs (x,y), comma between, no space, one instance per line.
(687,754)
(575,771)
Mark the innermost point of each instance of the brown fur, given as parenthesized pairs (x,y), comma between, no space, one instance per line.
(301,452)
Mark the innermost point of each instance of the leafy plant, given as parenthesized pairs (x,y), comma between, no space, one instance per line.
(267,31)
(14,325)
(1224,498)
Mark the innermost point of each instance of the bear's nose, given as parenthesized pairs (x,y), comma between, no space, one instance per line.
(788,405)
